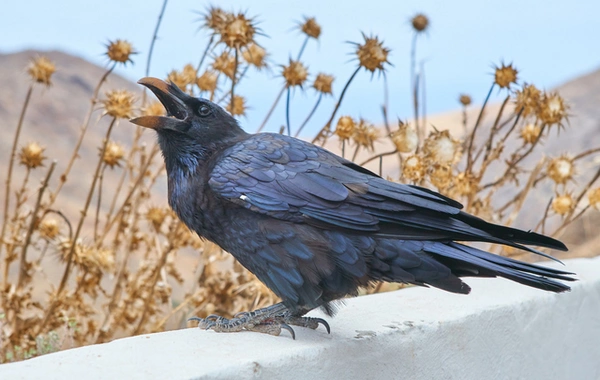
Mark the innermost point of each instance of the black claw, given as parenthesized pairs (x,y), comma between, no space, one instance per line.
(198,319)
(290,329)
(213,317)
(325,324)
(209,325)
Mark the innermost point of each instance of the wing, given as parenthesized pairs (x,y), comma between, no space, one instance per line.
(291,180)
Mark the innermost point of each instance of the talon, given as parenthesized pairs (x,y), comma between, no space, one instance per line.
(241,314)
(190,319)
(213,317)
(324,323)
(209,325)
(288,328)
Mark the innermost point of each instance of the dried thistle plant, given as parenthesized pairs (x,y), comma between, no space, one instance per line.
(125,259)
(405,138)
(255,55)
(41,69)
(32,155)
(207,81)
(119,104)
(120,51)
(310,27)
(295,73)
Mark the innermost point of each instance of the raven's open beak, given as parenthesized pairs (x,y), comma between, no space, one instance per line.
(172,98)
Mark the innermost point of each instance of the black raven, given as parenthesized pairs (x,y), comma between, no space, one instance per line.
(313,226)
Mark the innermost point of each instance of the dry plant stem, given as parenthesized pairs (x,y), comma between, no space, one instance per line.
(155,36)
(32,224)
(302,48)
(379,156)
(542,222)
(344,148)
(464,120)
(88,200)
(515,161)
(355,152)
(84,128)
(586,153)
(203,57)
(384,109)
(103,331)
(519,199)
(161,264)
(228,93)
(135,186)
(21,198)
(424,97)
(569,218)
(512,128)
(110,219)
(198,273)
(235,68)
(81,280)
(99,201)
(152,42)
(310,115)
(493,131)
(487,157)
(337,106)
(420,129)
(566,224)
(179,307)
(212,92)
(42,254)
(477,123)
(64,217)
(385,105)
(113,203)
(287,112)
(268,116)
(12,163)
(414,81)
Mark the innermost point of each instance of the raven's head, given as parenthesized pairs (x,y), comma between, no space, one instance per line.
(189,119)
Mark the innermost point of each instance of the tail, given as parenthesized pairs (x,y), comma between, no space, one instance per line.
(511,234)
(466,261)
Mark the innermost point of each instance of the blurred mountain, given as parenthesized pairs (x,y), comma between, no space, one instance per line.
(54,118)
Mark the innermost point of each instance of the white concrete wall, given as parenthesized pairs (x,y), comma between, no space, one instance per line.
(501,331)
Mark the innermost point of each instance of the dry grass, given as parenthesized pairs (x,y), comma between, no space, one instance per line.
(118,257)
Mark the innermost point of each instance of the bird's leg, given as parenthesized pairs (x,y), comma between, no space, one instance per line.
(269,320)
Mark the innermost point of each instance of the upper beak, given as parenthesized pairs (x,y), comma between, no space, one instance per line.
(172,98)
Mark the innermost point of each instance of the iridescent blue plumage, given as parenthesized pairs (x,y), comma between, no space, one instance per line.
(315,227)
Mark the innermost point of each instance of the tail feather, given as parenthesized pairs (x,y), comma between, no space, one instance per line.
(466,261)
(512,234)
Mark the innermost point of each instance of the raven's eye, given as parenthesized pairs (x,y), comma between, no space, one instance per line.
(204,110)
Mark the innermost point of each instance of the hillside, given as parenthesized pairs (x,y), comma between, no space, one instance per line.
(55,116)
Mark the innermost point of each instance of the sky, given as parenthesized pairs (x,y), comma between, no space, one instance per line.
(549,42)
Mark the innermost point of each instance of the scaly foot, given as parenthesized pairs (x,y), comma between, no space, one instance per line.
(269,320)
